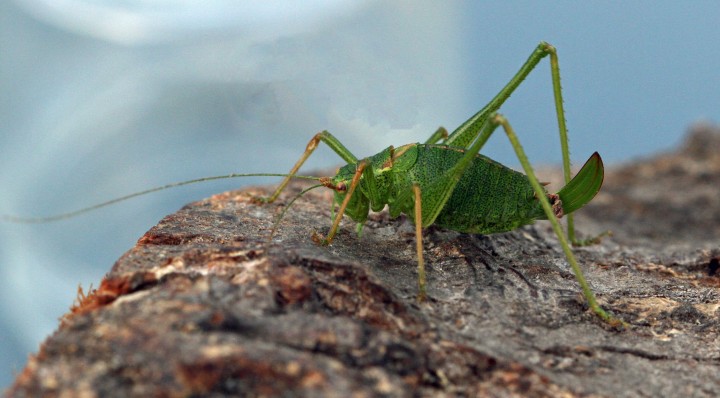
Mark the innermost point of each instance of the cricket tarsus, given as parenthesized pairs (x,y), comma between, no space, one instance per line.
(593,240)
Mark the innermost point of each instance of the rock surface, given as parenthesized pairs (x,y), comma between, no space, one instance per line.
(204,305)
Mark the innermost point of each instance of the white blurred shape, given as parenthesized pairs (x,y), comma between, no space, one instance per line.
(150,22)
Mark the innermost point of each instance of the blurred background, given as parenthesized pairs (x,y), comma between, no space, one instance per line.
(102,98)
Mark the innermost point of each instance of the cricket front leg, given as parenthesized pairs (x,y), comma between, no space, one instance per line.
(328,139)
(338,217)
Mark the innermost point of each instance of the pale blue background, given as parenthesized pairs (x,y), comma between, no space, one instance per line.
(99,99)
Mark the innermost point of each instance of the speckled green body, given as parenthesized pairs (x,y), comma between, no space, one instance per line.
(488,198)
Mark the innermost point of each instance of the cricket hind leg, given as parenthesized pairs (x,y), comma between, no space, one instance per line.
(499,120)
(467,132)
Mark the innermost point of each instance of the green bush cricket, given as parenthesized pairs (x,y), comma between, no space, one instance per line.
(445,181)
(452,185)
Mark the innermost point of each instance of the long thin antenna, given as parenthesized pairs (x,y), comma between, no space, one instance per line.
(63,216)
(276,224)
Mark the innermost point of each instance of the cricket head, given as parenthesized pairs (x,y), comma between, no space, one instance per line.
(375,182)
(584,186)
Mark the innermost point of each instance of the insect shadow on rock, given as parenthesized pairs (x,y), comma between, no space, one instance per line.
(446,182)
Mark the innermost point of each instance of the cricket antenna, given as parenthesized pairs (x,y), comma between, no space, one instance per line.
(276,224)
(64,216)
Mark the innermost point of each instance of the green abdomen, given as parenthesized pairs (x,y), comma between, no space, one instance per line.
(488,198)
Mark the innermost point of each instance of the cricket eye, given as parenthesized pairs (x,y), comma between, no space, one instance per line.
(341,187)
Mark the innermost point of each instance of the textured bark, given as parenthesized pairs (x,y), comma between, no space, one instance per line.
(204,305)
